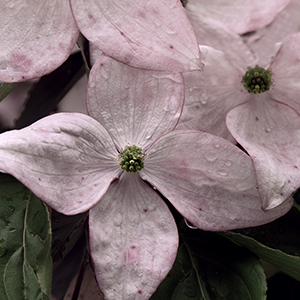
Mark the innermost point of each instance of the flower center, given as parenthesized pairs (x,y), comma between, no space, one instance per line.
(132,159)
(257,80)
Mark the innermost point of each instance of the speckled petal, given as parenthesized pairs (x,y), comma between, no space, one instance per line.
(67,160)
(36,37)
(211,94)
(270,133)
(135,106)
(208,180)
(154,35)
(239,15)
(133,240)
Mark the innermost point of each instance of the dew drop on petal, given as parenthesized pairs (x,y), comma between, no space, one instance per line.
(222,172)
(210,156)
(228,163)
(118,219)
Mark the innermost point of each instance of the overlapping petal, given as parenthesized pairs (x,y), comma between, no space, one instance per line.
(154,35)
(209,95)
(36,37)
(68,160)
(212,32)
(286,72)
(209,181)
(136,106)
(239,15)
(133,239)
(263,41)
(270,132)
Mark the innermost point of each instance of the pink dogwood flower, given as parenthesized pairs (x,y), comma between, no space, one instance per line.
(36,38)
(265,124)
(148,34)
(263,41)
(103,162)
(238,15)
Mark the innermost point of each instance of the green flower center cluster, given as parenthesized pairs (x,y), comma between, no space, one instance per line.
(132,159)
(257,80)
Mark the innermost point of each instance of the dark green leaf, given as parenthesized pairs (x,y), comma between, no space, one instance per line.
(282,234)
(209,267)
(288,264)
(25,237)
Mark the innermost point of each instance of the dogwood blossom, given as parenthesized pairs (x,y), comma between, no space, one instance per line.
(36,38)
(154,35)
(104,161)
(265,124)
(263,41)
(238,15)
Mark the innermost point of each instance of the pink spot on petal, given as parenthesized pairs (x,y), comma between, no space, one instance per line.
(140,292)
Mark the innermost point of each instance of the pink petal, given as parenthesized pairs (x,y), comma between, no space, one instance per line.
(264,41)
(133,239)
(154,35)
(270,132)
(239,15)
(286,72)
(36,38)
(208,180)
(67,160)
(211,94)
(214,33)
(135,106)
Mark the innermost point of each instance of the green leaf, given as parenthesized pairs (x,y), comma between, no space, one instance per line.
(25,242)
(5,89)
(288,264)
(209,267)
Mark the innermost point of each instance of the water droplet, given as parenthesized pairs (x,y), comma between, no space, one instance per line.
(11,208)
(210,156)
(118,219)
(217,146)
(92,84)
(222,172)
(2,251)
(7,222)
(12,229)
(228,163)
(268,129)
(9,199)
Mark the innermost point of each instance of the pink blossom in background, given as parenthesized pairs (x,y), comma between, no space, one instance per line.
(148,34)
(71,161)
(266,125)
(36,38)
(263,41)
(238,15)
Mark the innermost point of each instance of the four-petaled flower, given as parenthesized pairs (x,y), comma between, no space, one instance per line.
(105,162)
(266,124)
